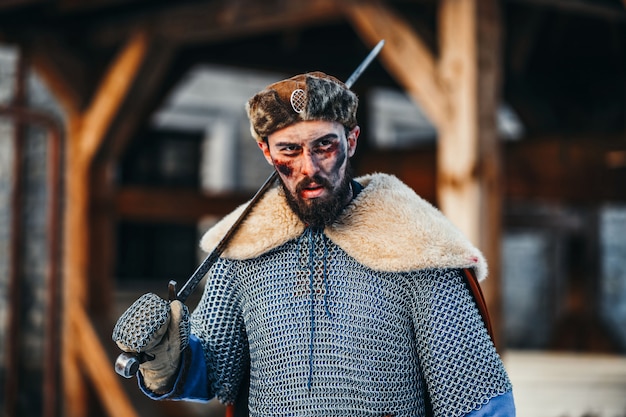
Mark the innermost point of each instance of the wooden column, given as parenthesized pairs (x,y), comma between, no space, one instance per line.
(469,185)
(86,132)
(458,90)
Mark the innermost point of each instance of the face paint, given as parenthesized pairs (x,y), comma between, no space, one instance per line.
(284,168)
(341,157)
(312,161)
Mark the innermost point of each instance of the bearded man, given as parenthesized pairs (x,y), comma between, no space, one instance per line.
(337,296)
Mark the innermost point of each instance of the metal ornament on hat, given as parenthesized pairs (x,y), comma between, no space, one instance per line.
(298,100)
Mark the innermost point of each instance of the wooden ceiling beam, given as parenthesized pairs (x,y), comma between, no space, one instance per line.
(172,205)
(219,20)
(13,4)
(550,169)
(539,169)
(245,18)
(586,8)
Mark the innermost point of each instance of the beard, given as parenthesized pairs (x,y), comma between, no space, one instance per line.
(321,212)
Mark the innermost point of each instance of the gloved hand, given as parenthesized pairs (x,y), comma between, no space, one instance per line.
(160,330)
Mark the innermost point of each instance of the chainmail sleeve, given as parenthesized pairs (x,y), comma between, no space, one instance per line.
(459,362)
(217,322)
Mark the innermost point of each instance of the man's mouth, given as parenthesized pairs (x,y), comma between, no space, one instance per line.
(312,191)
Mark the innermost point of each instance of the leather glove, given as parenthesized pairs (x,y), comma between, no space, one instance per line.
(160,331)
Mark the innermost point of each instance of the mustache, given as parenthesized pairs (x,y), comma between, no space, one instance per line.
(316,179)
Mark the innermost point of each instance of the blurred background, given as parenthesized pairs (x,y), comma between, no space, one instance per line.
(123,137)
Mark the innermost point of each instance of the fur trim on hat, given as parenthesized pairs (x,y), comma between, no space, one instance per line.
(311,96)
(387,227)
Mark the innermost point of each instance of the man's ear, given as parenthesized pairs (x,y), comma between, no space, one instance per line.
(352,138)
(266,152)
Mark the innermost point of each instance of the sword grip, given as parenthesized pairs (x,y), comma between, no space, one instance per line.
(171,290)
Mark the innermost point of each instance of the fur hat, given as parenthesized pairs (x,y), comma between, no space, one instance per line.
(310,96)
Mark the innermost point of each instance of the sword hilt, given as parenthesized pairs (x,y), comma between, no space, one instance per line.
(127,364)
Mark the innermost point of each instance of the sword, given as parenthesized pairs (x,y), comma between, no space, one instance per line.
(366,62)
(127,363)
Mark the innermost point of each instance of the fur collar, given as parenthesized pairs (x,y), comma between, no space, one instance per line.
(388,227)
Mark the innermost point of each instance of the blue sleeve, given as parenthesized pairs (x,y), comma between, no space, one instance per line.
(192,382)
(500,406)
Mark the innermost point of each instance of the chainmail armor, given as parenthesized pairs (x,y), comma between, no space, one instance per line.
(140,327)
(326,335)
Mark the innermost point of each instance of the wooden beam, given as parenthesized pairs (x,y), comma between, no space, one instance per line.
(586,8)
(550,169)
(184,206)
(405,56)
(244,18)
(568,170)
(84,137)
(9,4)
(219,20)
(415,167)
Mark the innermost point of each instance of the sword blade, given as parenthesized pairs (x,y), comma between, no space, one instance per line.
(204,267)
(366,62)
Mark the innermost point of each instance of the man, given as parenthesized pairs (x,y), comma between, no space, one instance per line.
(337,296)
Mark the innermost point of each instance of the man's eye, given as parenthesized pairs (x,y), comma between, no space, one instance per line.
(290,149)
(324,145)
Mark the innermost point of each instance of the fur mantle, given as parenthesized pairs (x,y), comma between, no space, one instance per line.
(388,227)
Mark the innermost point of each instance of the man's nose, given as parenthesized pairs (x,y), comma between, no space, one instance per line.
(310,164)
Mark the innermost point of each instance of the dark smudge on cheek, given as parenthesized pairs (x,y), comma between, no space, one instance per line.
(284,168)
(341,156)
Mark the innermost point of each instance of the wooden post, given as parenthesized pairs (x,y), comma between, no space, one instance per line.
(85,135)
(469,152)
